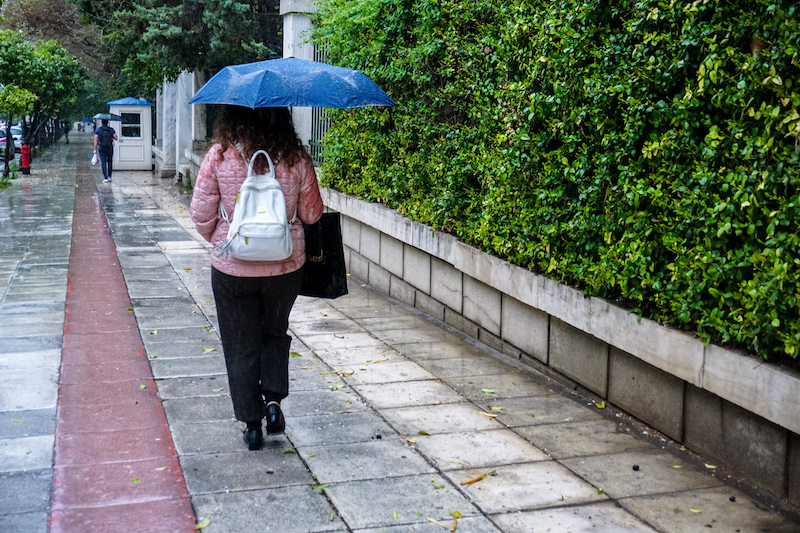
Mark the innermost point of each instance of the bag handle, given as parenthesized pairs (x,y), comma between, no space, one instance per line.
(253,160)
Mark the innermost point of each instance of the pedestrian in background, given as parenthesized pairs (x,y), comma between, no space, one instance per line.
(104,138)
(254,298)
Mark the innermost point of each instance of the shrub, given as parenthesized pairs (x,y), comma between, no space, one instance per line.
(642,151)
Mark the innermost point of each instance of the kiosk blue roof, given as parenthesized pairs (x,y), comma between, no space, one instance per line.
(130,100)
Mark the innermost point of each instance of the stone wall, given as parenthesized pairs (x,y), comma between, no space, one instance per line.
(727,406)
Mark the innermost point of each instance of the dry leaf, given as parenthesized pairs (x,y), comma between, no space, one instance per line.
(695,510)
(710,466)
(395,513)
(429,519)
(600,405)
(204,523)
(473,480)
(487,414)
(409,440)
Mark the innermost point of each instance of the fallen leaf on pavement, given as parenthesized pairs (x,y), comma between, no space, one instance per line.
(429,519)
(204,523)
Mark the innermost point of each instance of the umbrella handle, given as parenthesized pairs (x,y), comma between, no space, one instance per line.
(253,159)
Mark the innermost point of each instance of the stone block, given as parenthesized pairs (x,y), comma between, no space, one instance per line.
(351,233)
(646,392)
(755,447)
(400,290)
(794,468)
(703,423)
(762,388)
(347,252)
(447,284)
(379,278)
(359,266)
(429,306)
(482,304)
(677,352)
(370,244)
(579,356)
(492,341)
(417,268)
(392,255)
(525,327)
(460,323)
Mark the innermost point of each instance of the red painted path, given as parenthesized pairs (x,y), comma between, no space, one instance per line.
(115,464)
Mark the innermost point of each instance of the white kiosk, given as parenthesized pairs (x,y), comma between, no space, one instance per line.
(134,149)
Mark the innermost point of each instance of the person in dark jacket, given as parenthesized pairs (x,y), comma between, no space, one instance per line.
(104,138)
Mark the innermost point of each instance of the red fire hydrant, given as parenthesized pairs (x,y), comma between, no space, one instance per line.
(25,159)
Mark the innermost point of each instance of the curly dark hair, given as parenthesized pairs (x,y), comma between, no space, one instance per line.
(266,128)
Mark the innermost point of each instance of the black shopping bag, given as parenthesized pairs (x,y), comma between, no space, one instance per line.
(324,274)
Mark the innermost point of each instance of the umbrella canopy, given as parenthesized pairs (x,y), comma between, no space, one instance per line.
(107,116)
(291,82)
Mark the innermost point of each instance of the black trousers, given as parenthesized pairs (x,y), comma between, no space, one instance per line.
(253,322)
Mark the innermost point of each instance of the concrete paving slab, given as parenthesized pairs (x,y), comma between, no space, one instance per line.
(655,472)
(352,357)
(343,428)
(244,470)
(581,439)
(35,522)
(317,402)
(332,341)
(192,387)
(478,449)
(708,510)
(464,366)
(25,360)
(453,349)
(236,511)
(217,437)
(606,516)
(29,329)
(421,334)
(398,501)
(388,372)
(472,524)
(35,396)
(434,419)
(36,295)
(373,459)
(536,410)
(175,350)
(524,486)
(36,343)
(301,314)
(327,325)
(407,394)
(200,334)
(173,321)
(197,410)
(32,308)
(212,365)
(26,453)
(396,321)
(309,378)
(25,491)
(389,309)
(27,423)
(513,384)
(45,317)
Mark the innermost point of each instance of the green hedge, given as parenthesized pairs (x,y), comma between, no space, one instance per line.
(645,152)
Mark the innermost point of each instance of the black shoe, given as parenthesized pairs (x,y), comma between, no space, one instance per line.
(275,422)
(254,439)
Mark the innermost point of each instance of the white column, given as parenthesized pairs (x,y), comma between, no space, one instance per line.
(199,128)
(296,26)
(167,122)
(183,119)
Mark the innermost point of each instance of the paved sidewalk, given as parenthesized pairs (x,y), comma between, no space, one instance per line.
(394,422)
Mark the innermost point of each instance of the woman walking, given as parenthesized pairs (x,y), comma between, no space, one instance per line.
(254,298)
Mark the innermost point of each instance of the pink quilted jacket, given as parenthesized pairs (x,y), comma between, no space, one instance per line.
(223,178)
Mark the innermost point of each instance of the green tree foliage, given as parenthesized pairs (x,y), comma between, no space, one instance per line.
(14,102)
(645,151)
(153,39)
(46,70)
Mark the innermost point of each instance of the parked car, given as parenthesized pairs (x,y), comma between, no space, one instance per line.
(16,134)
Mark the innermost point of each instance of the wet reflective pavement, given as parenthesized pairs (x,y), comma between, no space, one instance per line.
(394,422)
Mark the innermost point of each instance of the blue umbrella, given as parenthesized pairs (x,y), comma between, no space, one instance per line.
(291,82)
